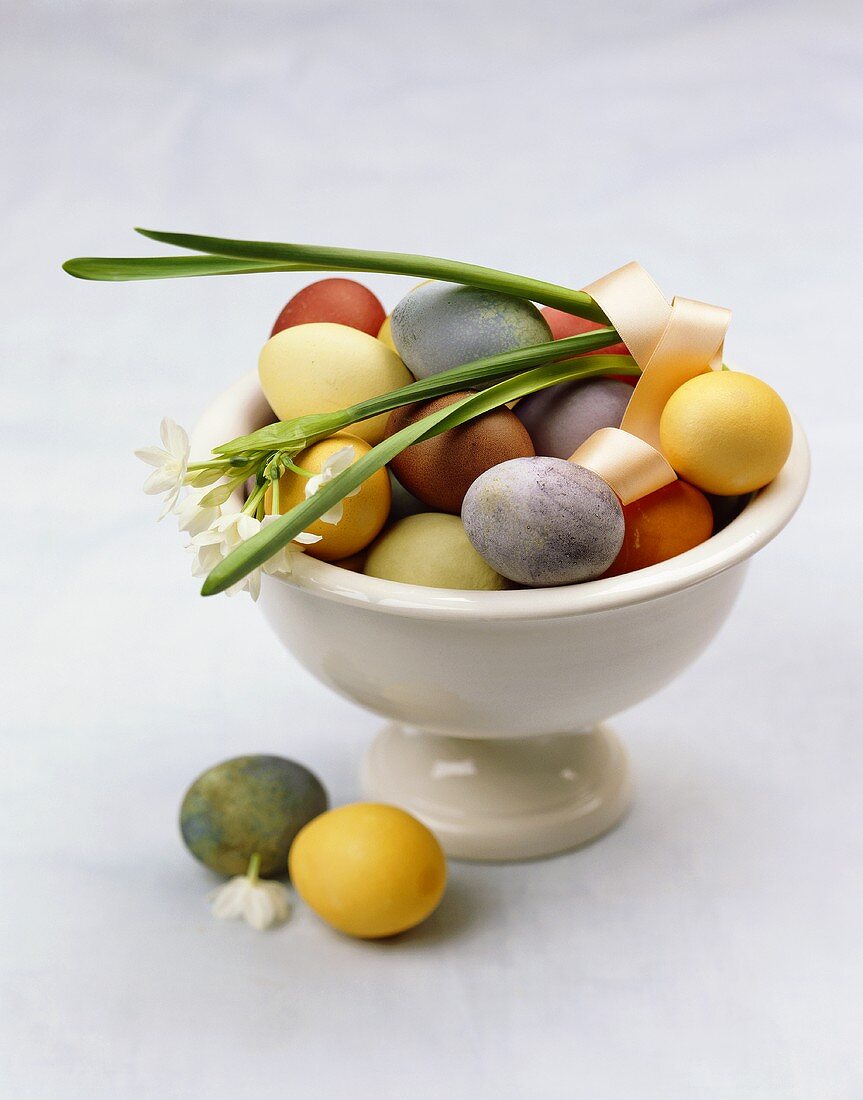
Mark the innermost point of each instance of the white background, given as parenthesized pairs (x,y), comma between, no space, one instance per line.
(708,948)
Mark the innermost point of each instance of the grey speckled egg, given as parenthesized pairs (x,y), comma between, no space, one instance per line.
(560,418)
(544,521)
(246,805)
(442,325)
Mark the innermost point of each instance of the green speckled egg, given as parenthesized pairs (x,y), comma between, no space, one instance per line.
(246,805)
(442,325)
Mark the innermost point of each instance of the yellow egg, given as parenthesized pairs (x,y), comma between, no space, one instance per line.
(726,432)
(363,515)
(368,869)
(386,333)
(324,367)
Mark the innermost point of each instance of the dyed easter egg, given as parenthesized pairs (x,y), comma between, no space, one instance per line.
(385,334)
(246,805)
(543,521)
(431,549)
(661,526)
(726,432)
(442,325)
(368,869)
(317,368)
(440,470)
(562,417)
(339,301)
(363,515)
(564,324)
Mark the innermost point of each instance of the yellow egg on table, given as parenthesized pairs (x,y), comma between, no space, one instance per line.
(726,432)
(368,869)
(363,515)
(322,367)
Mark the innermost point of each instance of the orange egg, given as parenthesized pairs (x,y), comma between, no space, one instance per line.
(662,525)
(363,515)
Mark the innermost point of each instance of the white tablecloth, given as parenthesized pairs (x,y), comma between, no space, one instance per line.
(710,947)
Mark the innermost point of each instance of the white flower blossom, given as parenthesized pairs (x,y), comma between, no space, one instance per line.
(171,462)
(335,464)
(192,518)
(259,902)
(230,531)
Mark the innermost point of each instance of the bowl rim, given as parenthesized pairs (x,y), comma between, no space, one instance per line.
(757,524)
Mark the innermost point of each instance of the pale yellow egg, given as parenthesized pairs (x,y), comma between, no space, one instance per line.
(363,515)
(386,334)
(431,549)
(726,432)
(322,367)
(368,869)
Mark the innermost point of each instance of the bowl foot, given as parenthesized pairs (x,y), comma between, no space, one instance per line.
(502,799)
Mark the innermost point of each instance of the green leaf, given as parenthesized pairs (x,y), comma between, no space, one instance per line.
(272,538)
(325,257)
(121,269)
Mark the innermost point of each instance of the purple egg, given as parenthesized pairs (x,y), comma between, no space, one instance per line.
(543,521)
(560,418)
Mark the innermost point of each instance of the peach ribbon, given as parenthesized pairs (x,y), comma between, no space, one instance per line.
(671,344)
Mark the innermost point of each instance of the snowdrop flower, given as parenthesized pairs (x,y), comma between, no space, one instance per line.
(260,903)
(226,534)
(335,464)
(171,462)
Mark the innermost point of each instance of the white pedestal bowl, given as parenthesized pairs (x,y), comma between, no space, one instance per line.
(496,700)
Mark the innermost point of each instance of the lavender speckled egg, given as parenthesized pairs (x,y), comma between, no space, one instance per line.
(560,418)
(442,325)
(543,521)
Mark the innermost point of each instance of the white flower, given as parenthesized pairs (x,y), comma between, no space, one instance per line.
(226,534)
(259,902)
(192,517)
(171,463)
(335,464)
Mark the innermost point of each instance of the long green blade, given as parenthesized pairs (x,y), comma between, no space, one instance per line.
(394,263)
(126,269)
(272,538)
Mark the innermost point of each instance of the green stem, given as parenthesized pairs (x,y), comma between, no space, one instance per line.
(255,497)
(254,870)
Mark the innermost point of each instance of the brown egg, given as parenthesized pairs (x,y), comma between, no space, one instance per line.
(439,471)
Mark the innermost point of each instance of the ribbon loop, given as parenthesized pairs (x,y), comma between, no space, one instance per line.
(671,344)
(631,467)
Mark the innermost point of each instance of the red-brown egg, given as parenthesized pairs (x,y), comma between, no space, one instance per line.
(439,471)
(337,301)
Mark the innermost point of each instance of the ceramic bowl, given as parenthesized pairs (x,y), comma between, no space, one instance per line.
(496,700)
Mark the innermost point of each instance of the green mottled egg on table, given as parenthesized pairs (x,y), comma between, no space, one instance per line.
(443,325)
(249,804)
(431,549)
